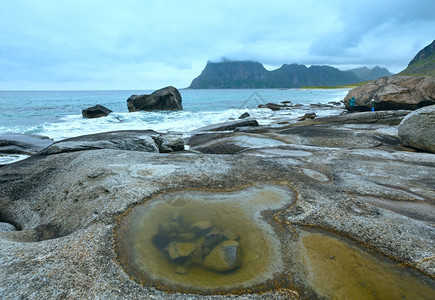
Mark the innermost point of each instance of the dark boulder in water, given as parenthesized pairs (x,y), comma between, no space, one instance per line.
(168,98)
(244,116)
(96,111)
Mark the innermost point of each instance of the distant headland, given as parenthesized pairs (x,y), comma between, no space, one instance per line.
(250,74)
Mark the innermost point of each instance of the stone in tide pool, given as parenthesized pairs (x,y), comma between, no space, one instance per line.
(224,257)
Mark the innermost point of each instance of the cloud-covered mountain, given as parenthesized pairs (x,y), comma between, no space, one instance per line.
(250,74)
(370,74)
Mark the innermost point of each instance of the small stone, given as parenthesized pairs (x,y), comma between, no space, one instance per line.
(179,250)
(176,216)
(199,242)
(201,226)
(244,116)
(186,237)
(181,270)
(224,257)
(212,239)
(231,234)
(198,256)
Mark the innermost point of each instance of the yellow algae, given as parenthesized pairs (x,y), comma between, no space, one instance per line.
(337,270)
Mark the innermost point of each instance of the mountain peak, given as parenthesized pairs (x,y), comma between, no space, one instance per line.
(423,63)
(250,74)
(370,74)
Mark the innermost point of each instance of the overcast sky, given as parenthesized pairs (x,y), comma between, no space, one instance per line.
(143,44)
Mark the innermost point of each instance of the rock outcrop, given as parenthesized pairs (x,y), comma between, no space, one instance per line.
(351,180)
(168,98)
(14,143)
(96,111)
(386,117)
(423,64)
(230,125)
(391,93)
(418,129)
(129,140)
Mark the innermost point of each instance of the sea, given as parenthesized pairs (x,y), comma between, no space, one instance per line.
(58,114)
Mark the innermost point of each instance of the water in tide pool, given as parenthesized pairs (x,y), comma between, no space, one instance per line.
(57,114)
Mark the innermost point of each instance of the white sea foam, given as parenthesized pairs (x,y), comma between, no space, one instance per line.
(57,114)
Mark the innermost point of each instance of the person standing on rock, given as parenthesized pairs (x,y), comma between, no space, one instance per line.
(372,105)
(352,104)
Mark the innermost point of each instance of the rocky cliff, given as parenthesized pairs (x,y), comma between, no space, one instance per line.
(423,63)
(249,74)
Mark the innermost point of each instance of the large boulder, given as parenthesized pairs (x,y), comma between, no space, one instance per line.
(167,98)
(418,129)
(391,93)
(96,111)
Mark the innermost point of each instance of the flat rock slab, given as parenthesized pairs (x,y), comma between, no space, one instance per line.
(387,117)
(14,143)
(133,140)
(67,205)
(231,125)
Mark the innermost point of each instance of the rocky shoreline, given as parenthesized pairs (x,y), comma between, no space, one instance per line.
(351,174)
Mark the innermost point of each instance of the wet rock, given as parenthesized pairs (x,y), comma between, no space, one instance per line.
(168,98)
(310,115)
(244,116)
(396,92)
(186,237)
(180,250)
(131,140)
(14,143)
(169,142)
(274,106)
(328,137)
(231,125)
(212,239)
(235,143)
(201,227)
(47,232)
(230,234)
(96,111)
(418,129)
(387,117)
(224,257)
(58,190)
(198,256)
(181,270)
